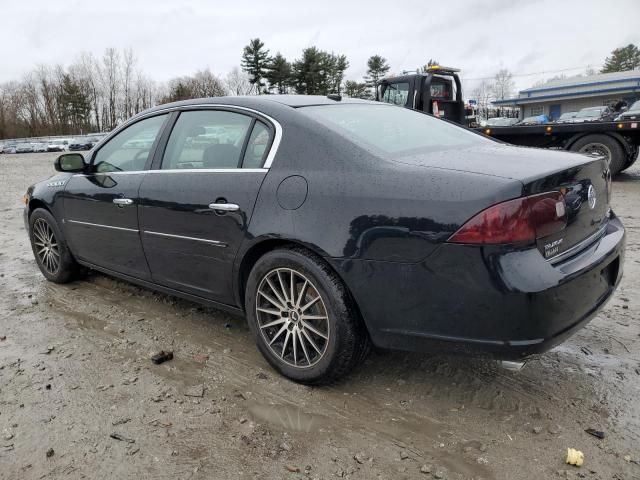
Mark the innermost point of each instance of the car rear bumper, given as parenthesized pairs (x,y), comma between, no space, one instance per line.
(485,300)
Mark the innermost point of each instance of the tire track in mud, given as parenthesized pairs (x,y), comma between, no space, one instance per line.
(404,430)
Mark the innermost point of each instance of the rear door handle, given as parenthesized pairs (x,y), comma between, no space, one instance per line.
(224,207)
(123,202)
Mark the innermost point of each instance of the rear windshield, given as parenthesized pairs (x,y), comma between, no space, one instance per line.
(590,112)
(391,129)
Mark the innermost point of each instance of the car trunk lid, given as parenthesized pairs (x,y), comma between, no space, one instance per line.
(583,180)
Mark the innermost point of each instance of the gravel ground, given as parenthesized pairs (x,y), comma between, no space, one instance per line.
(79,397)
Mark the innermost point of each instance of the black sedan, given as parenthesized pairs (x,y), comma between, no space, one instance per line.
(82,144)
(333,224)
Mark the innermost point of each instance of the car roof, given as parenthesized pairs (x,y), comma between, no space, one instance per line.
(256,101)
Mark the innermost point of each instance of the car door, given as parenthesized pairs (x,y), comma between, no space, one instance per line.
(198,199)
(101,206)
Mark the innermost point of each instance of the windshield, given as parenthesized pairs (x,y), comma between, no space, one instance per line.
(635,106)
(391,130)
(566,115)
(499,122)
(590,112)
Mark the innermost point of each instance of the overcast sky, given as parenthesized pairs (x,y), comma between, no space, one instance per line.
(173,38)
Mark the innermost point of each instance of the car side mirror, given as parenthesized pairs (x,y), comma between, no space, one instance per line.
(70,162)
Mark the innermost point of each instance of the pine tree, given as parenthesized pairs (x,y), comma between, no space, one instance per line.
(74,104)
(337,65)
(356,89)
(255,60)
(279,73)
(377,69)
(309,72)
(622,59)
(319,72)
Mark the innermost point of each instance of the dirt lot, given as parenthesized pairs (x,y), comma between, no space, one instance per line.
(75,372)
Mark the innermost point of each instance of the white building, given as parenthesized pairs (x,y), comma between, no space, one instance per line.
(571,94)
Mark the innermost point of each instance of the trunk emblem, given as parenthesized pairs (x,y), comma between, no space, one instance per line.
(591,197)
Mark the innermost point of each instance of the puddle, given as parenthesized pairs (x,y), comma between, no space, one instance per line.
(287,417)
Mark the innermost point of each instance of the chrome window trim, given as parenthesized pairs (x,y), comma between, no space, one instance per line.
(104,226)
(211,170)
(277,137)
(180,170)
(579,246)
(215,243)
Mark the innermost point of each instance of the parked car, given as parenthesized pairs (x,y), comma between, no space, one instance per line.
(535,120)
(56,146)
(501,122)
(81,144)
(566,117)
(594,114)
(24,148)
(39,147)
(9,148)
(632,114)
(332,223)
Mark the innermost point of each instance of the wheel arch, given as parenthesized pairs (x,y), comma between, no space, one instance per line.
(260,248)
(253,253)
(36,203)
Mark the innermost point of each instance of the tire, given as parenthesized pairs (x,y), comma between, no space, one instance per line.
(56,262)
(632,159)
(330,311)
(604,145)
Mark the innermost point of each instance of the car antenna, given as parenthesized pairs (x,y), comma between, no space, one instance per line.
(334,96)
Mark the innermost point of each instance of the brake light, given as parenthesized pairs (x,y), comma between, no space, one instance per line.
(521,220)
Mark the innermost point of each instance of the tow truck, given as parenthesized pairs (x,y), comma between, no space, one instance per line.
(438,91)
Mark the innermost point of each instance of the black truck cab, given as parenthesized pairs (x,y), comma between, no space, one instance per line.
(437,91)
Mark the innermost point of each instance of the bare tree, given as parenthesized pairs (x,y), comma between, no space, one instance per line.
(503,84)
(483,94)
(128,66)
(237,82)
(111,78)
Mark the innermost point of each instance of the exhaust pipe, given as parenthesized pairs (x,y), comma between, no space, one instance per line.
(511,365)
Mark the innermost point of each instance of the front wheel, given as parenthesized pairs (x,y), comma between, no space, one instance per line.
(50,248)
(303,318)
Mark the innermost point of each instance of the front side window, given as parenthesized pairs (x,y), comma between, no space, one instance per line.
(206,139)
(129,150)
(396,93)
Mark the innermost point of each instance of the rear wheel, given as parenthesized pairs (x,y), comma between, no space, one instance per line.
(50,248)
(304,321)
(605,146)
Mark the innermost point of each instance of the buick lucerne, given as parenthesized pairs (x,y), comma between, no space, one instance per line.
(334,224)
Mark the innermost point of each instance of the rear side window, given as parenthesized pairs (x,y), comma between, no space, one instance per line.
(206,139)
(392,130)
(257,146)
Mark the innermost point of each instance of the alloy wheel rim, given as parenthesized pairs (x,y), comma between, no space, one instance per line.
(47,247)
(597,149)
(292,318)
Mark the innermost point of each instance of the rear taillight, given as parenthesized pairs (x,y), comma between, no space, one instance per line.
(521,220)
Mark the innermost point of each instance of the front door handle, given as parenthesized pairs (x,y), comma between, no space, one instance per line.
(123,202)
(224,207)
